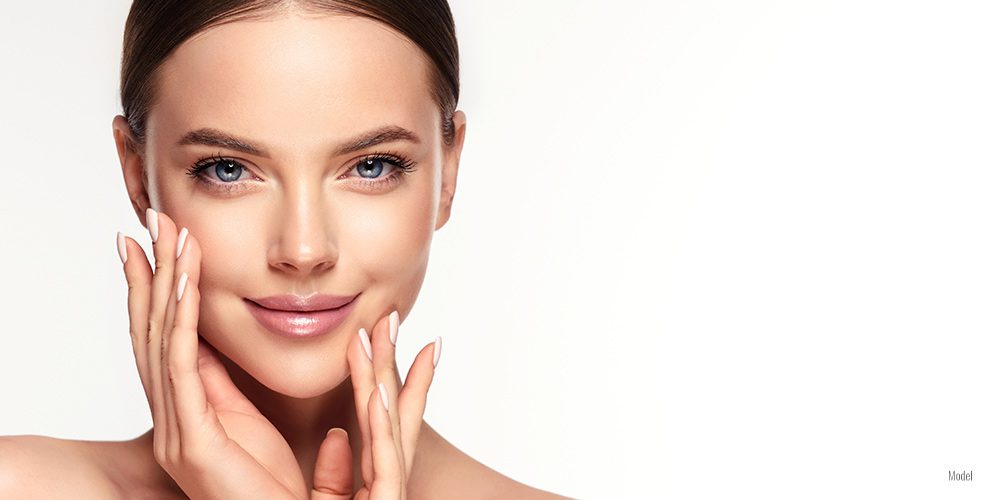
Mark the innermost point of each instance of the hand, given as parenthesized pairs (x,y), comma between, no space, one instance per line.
(389,418)
(211,440)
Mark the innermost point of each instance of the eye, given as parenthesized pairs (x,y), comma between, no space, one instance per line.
(380,170)
(229,175)
(224,169)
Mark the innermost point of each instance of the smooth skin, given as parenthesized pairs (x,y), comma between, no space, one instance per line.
(213,442)
(239,412)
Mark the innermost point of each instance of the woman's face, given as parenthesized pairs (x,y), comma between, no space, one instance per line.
(300,215)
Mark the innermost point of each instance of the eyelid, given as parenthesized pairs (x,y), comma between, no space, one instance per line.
(398,162)
(203,164)
(400,166)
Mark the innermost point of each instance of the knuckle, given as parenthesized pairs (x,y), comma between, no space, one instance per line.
(135,334)
(160,455)
(189,455)
(155,324)
(174,456)
(174,372)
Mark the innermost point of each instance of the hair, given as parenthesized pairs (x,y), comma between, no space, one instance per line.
(154,28)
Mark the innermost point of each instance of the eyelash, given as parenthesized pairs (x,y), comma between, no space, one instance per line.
(401,166)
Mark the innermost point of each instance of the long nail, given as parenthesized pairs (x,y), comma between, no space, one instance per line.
(180,241)
(122,249)
(366,343)
(385,396)
(180,285)
(152,223)
(393,326)
(437,350)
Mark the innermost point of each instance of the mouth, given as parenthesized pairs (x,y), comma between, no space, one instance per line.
(298,317)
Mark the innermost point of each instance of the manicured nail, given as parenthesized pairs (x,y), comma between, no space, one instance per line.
(152,223)
(180,286)
(180,241)
(393,326)
(437,350)
(385,396)
(336,429)
(122,249)
(366,343)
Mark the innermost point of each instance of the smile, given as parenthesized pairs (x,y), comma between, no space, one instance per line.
(299,320)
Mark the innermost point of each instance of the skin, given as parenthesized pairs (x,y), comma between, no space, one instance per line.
(301,219)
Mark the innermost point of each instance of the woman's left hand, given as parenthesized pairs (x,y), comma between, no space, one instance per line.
(389,417)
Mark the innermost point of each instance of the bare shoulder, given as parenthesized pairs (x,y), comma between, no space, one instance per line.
(443,472)
(46,467)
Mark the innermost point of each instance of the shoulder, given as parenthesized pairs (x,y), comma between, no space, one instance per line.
(46,467)
(443,472)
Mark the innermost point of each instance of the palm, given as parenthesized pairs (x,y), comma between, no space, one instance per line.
(245,435)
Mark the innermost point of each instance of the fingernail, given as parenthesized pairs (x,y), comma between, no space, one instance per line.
(437,350)
(180,241)
(122,249)
(335,429)
(152,224)
(180,286)
(366,343)
(393,326)
(385,396)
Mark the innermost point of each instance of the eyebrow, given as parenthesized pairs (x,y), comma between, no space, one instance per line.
(215,137)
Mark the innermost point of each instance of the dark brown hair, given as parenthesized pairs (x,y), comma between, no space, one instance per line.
(154,28)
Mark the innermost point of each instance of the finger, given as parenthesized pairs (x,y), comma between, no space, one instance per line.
(163,300)
(186,389)
(388,481)
(386,371)
(220,391)
(139,277)
(333,478)
(363,382)
(413,398)
(182,282)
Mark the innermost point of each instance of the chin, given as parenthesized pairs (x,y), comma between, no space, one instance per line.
(299,378)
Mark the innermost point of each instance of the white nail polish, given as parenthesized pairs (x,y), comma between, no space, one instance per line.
(180,241)
(393,326)
(122,249)
(180,285)
(385,396)
(152,223)
(437,350)
(365,342)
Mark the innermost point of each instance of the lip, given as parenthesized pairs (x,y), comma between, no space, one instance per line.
(297,317)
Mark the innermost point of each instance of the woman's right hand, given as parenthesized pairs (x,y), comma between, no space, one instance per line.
(211,440)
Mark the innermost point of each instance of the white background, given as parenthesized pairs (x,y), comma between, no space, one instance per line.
(700,249)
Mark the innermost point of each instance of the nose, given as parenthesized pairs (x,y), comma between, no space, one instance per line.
(305,243)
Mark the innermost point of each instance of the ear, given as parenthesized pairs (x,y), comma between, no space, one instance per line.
(132,167)
(449,170)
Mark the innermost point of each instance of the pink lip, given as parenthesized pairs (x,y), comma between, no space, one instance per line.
(297,317)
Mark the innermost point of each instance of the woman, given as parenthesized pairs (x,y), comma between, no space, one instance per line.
(291,161)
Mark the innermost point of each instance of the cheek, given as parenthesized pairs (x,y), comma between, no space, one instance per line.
(390,239)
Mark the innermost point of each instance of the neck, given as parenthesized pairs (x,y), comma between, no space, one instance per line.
(304,422)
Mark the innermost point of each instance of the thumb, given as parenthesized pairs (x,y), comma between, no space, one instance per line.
(220,391)
(333,478)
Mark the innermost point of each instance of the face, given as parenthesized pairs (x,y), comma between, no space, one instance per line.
(301,212)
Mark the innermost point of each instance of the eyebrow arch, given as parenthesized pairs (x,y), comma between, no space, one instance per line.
(215,137)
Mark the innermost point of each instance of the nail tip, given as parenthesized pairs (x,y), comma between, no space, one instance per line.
(437,350)
(122,249)
(384,396)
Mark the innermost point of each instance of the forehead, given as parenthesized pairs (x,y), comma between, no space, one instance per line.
(294,81)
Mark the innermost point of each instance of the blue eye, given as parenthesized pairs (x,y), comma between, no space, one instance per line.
(227,171)
(380,171)
(370,168)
